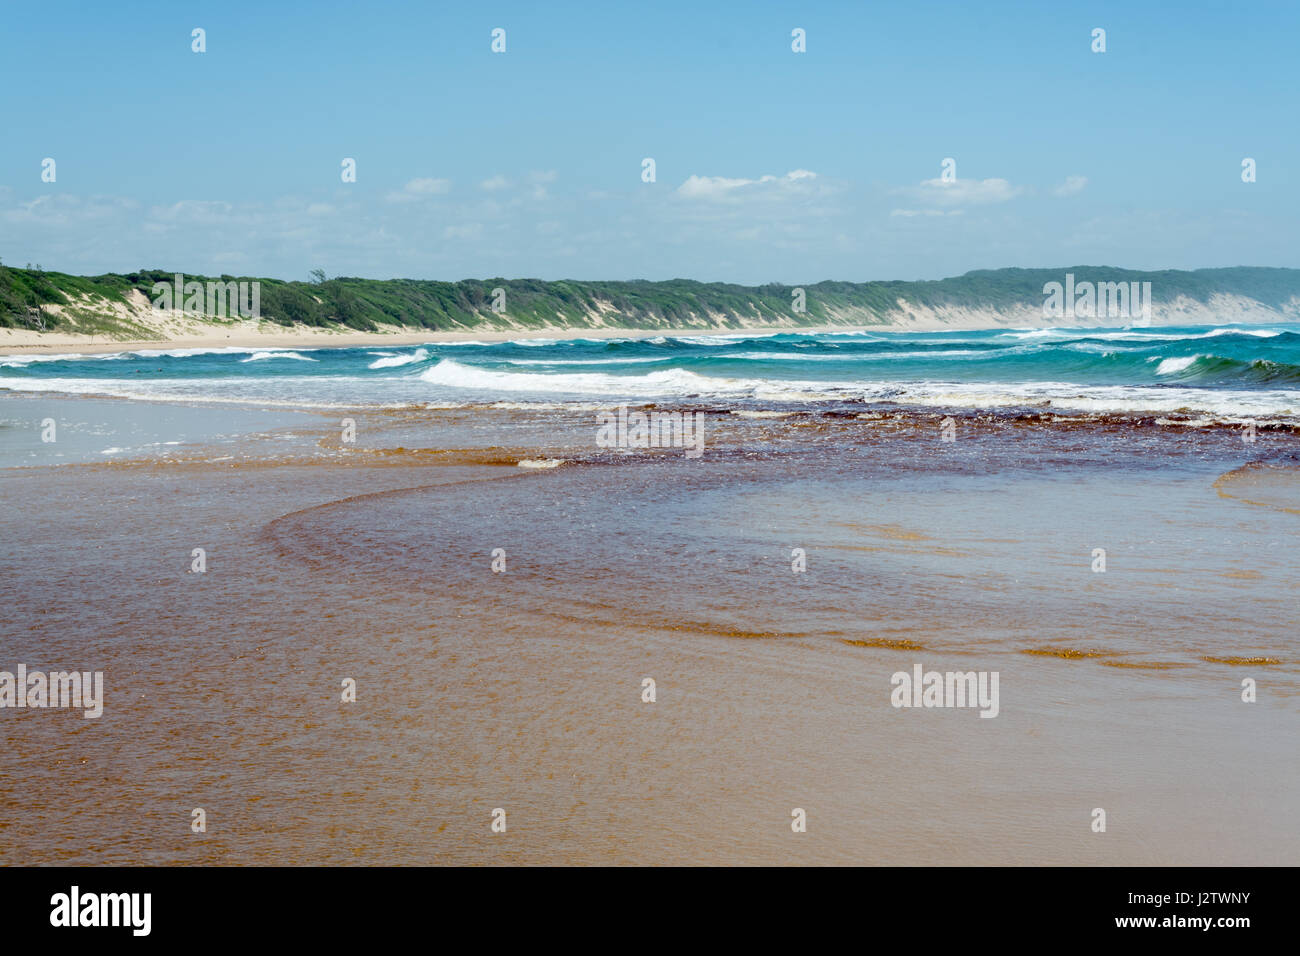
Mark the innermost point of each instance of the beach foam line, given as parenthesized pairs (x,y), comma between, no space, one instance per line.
(22,360)
(263,355)
(178,391)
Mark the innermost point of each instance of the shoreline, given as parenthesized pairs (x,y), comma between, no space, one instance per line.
(14,342)
(181,332)
(23,341)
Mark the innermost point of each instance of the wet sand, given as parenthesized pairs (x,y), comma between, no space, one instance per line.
(522,690)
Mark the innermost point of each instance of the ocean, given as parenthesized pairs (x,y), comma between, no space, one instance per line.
(1225,371)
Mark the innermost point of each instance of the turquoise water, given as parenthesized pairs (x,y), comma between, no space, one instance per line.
(1224,371)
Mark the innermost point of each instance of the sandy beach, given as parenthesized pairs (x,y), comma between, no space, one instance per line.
(178,330)
(15,341)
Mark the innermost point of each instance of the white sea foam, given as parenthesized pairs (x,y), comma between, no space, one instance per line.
(869,357)
(542,406)
(1171,366)
(611,361)
(396,361)
(1112,399)
(23,360)
(294,392)
(1140,335)
(213,350)
(282,392)
(719,337)
(1258,333)
(277,354)
(667,382)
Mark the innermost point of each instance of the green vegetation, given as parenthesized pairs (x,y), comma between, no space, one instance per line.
(98,303)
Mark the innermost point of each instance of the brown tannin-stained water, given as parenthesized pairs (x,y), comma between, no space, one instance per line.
(771,588)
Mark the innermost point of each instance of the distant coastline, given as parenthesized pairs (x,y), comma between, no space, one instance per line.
(47,311)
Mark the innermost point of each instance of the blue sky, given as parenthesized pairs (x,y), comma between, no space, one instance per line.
(770,165)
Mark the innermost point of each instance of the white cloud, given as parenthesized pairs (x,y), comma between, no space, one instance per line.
(1072,186)
(538,178)
(64,209)
(426,187)
(535,181)
(420,189)
(723,187)
(192,209)
(966,192)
